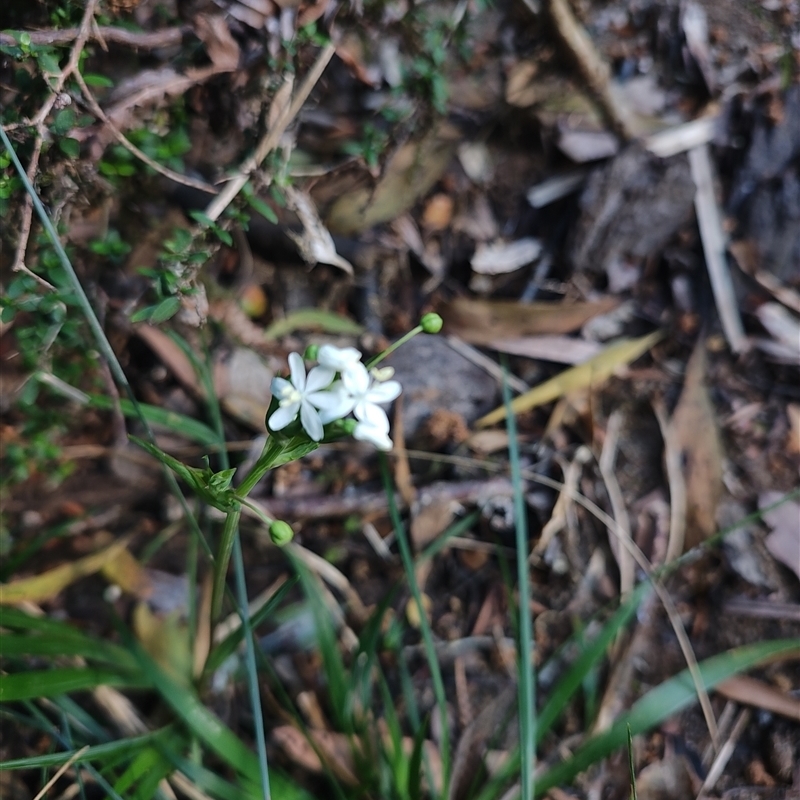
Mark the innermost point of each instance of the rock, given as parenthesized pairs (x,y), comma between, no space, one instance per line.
(434,376)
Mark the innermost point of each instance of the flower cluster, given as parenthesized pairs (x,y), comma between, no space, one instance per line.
(319,397)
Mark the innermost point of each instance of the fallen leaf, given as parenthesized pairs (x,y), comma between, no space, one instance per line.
(486,442)
(591,373)
(408,175)
(486,321)
(694,425)
(784,540)
(559,349)
(222,49)
(125,571)
(166,640)
(242,382)
(412,611)
(316,244)
(473,745)
(666,779)
(171,355)
(438,213)
(430,519)
(753,692)
(47,585)
(521,90)
(793,438)
(335,748)
(500,257)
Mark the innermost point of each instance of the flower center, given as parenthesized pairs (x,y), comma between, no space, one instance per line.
(289,395)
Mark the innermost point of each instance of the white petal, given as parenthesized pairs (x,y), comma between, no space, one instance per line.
(384,392)
(283,416)
(337,358)
(311,421)
(336,403)
(356,379)
(279,385)
(375,436)
(318,378)
(298,370)
(372,415)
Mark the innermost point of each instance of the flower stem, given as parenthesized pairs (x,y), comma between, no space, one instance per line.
(223,559)
(272,449)
(392,347)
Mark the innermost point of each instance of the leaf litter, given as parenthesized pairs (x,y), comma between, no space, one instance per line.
(400,179)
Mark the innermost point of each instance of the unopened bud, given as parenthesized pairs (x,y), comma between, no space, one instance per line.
(311,353)
(431,323)
(280,532)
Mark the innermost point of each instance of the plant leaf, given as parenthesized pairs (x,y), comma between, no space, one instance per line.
(314,319)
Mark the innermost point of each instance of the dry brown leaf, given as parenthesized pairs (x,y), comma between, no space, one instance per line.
(486,321)
(667,779)
(753,692)
(222,49)
(473,745)
(172,356)
(125,571)
(430,519)
(793,438)
(486,442)
(438,213)
(591,373)
(408,175)
(521,90)
(694,426)
(497,258)
(559,349)
(242,382)
(281,102)
(47,585)
(316,244)
(784,540)
(166,640)
(335,748)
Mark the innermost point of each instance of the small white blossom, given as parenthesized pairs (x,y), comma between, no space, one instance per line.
(304,394)
(339,359)
(368,395)
(375,431)
(320,400)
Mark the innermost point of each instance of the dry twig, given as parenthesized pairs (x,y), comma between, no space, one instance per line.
(272,137)
(141,40)
(37,123)
(126,143)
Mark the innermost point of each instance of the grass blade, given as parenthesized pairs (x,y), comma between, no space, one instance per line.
(425,628)
(527,686)
(52,682)
(662,702)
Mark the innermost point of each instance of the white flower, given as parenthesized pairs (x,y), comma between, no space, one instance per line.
(338,403)
(304,394)
(367,395)
(376,434)
(339,359)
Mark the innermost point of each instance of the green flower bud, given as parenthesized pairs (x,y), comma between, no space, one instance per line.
(311,353)
(280,532)
(349,426)
(431,323)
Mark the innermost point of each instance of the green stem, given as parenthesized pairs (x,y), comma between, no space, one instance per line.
(223,559)
(392,347)
(267,459)
(527,688)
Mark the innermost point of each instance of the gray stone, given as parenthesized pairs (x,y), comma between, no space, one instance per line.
(434,376)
